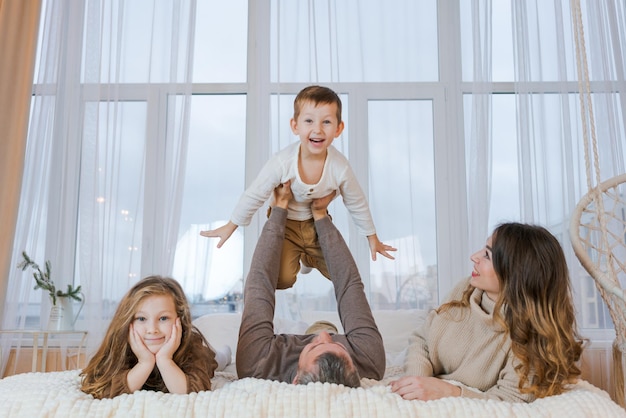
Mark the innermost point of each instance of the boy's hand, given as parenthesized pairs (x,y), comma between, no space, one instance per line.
(378,247)
(223,233)
(319,207)
(283,194)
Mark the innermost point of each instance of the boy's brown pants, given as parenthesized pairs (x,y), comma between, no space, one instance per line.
(300,243)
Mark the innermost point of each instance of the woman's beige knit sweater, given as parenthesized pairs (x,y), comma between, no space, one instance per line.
(467,347)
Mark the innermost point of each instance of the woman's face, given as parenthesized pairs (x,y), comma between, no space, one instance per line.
(483,276)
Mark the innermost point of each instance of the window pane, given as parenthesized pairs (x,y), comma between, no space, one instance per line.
(111,194)
(502,38)
(402,200)
(505,200)
(214,179)
(547,51)
(221,41)
(543,146)
(137,41)
(354,41)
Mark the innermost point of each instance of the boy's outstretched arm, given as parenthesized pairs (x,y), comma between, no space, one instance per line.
(378,247)
(223,233)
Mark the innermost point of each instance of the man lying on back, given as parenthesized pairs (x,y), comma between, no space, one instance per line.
(300,359)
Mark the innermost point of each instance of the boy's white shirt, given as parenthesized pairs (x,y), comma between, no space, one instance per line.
(337,175)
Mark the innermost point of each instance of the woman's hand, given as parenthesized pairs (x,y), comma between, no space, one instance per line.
(424,388)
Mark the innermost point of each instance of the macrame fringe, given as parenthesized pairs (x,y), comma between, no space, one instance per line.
(617,375)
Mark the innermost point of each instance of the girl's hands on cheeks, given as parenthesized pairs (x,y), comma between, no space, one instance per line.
(424,388)
(144,355)
(173,377)
(168,349)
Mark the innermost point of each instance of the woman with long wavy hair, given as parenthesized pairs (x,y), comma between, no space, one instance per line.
(508,332)
(151,344)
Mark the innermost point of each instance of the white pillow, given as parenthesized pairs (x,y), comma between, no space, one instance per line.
(221,331)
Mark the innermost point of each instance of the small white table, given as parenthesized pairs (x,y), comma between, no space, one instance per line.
(45,334)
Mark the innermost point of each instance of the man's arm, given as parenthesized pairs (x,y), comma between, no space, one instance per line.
(257,321)
(256,332)
(364,339)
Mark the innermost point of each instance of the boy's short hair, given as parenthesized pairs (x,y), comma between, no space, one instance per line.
(317,95)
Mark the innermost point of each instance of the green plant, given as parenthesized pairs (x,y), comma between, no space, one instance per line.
(42,278)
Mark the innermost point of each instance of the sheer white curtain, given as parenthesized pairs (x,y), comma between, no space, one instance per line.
(95,169)
(550,132)
(443,143)
(479,137)
(604,31)
(518,87)
(548,146)
(548,152)
(360,49)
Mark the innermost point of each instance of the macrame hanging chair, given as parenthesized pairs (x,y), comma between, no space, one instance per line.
(598,224)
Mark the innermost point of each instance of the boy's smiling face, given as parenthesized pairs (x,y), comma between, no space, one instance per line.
(317,127)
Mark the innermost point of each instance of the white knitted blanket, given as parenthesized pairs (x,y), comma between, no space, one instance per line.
(57,394)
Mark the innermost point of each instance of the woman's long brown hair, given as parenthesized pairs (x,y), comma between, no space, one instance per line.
(538,311)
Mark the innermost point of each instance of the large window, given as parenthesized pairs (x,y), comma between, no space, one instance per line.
(214,179)
(172,132)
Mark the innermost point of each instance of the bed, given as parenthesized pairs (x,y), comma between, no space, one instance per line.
(57,394)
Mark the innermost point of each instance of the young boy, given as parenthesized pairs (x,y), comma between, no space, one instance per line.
(314,169)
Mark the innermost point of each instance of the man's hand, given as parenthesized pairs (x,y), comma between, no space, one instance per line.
(319,207)
(283,194)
